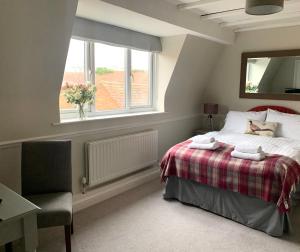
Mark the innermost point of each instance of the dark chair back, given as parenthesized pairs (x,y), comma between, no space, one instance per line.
(46,167)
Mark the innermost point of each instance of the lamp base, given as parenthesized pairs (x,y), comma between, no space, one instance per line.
(210,117)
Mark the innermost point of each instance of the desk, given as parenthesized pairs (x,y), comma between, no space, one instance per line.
(18,219)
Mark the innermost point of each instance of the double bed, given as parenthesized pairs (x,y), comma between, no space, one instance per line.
(258,194)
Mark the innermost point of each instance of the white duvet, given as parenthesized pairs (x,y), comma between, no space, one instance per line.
(271,145)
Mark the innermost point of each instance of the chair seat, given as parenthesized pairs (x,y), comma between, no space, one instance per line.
(56,208)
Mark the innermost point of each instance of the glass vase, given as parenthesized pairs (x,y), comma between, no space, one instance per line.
(81,111)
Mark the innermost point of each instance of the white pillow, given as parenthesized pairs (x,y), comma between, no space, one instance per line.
(288,124)
(236,121)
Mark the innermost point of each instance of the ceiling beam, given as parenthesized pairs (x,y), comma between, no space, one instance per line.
(261,27)
(197,4)
(262,19)
(229,13)
(167,12)
(289,6)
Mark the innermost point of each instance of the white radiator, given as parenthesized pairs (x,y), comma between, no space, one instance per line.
(112,158)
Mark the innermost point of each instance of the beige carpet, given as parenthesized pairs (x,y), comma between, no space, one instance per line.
(140,220)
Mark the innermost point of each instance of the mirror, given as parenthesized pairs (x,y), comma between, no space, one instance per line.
(271,75)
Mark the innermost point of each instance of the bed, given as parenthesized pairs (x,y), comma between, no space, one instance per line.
(260,200)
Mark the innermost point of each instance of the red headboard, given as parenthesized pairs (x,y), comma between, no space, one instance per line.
(278,108)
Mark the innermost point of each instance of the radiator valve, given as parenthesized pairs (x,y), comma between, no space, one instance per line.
(84,184)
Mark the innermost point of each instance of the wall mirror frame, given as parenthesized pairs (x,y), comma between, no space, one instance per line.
(246,56)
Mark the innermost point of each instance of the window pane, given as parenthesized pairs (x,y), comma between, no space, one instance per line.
(109,77)
(74,70)
(140,87)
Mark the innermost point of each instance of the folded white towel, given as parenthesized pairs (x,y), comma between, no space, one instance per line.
(208,146)
(243,155)
(248,148)
(200,139)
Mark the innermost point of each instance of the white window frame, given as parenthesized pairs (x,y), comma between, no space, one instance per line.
(89,77)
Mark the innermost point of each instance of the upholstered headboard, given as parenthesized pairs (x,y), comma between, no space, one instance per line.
(278,108)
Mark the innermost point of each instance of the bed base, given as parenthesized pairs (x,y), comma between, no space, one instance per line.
(249,211)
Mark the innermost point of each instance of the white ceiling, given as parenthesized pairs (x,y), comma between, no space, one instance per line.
(225,15)
(231,14)
(114,15)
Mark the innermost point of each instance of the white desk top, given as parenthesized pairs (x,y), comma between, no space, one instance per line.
(14,205)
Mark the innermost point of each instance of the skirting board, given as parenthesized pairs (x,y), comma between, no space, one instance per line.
(93,197)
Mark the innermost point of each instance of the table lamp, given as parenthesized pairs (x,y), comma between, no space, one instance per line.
(211,109)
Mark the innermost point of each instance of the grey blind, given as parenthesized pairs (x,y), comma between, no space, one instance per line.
(106,33)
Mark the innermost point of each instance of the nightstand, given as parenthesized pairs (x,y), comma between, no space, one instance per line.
(200,131)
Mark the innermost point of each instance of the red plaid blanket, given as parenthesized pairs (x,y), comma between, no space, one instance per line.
(270,180)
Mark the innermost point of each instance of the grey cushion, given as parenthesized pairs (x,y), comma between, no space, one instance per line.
(56,208)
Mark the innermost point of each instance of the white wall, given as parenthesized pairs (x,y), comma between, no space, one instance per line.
(196,62)
(34,41)
(167,60)
(32,56)
(223,86)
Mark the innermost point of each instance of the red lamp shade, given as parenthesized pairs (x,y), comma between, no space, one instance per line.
(211,108)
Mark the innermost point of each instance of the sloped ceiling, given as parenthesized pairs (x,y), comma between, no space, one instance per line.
(114,15)
(156,17)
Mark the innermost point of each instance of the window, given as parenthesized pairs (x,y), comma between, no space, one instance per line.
(110,77)
(123,78)
(140,79)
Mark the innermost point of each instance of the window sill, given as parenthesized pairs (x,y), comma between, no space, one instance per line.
(106,117)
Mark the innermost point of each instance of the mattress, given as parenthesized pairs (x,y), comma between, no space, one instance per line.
(272,145)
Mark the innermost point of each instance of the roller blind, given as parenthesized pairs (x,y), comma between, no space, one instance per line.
(115,35)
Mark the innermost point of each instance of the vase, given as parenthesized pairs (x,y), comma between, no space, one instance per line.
(81,111)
